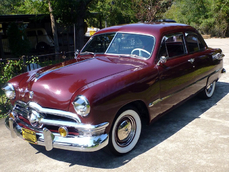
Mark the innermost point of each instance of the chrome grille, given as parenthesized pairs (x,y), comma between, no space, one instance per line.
(24,110)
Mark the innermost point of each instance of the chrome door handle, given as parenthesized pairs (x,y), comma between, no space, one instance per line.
(191,60)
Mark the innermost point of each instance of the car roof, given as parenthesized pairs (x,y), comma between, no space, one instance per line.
(156,29)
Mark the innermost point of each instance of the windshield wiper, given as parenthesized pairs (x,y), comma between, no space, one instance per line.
(87,53)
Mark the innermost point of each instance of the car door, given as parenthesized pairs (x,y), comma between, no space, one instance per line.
(201,59)
(176,74)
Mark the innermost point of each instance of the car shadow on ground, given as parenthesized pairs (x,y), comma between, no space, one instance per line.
(152,135)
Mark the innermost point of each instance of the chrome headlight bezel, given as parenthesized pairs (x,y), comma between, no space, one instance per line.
(9,91)
(81,105)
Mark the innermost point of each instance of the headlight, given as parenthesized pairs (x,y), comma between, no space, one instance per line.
(9,91)
(81,106)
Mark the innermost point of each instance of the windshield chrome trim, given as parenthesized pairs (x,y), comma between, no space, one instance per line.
(93,37)
(111,42)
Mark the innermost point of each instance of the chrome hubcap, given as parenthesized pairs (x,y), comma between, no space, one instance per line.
(125,131)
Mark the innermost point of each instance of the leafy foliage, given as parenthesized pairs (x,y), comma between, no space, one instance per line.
(68,12)
(151,10)
(10,69)
(8,6)
(208,16)
(113,12)
(23,7)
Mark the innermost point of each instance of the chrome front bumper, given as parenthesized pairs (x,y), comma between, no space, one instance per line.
(51,140)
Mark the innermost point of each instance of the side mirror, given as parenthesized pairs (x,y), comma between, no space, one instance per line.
(76,53)
(162,60)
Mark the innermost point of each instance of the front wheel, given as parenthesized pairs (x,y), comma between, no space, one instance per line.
(208,91)
(125,132)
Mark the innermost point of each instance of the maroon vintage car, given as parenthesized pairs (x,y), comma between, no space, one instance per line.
(122,75)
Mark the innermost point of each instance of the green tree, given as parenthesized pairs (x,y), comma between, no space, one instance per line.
(151,10)
(114,12)
(31,7)
(72,12)
(208,16)
(8,7)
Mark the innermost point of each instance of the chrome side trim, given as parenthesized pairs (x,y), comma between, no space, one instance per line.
(159,100)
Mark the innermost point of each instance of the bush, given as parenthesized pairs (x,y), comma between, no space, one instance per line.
(10,69)
(220,27)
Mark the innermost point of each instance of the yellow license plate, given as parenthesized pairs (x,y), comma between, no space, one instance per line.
(29,135)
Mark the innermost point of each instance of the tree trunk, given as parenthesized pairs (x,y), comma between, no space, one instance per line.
(54,29)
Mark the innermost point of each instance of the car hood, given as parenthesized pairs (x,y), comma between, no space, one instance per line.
(54,86)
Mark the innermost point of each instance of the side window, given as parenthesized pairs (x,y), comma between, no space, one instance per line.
(172,45)
(194,44)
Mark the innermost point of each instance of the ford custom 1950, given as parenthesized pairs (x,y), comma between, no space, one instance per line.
(123,74)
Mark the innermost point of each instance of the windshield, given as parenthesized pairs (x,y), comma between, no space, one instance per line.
(134,45)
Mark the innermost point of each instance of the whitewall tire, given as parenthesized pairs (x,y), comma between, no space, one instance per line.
(125,132)
(208,91)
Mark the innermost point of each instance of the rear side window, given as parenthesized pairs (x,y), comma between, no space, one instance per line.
(194,43)
(172,45)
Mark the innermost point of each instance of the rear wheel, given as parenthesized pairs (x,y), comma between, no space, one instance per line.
(125,132)
(208,91)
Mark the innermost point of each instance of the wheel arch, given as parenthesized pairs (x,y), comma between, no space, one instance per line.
(140,106)
(117,145)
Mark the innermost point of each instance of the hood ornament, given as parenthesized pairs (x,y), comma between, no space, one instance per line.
(37,75)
